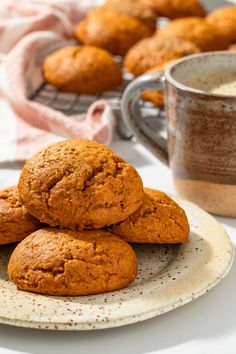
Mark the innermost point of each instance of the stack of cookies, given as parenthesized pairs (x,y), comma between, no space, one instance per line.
(127,28)
(76,207)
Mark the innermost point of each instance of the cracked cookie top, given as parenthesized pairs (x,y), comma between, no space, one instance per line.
(176,8)
(158,220)
(135,9)
(196,30)
(70,263)
(15,221)
(82,69)
(224,20)
(80,184)
(112,30)
(155,51)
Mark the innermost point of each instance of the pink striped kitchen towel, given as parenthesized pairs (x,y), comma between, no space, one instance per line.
(29,30)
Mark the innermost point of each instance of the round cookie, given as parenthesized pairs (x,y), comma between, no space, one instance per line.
(135,9)
(156,51)
(196,30)
(158,220)
(176,8)
(232,48)
(71,263)
(15,221)
(82,69)
(109,29)
(224,19)
(80,184)
(154,96)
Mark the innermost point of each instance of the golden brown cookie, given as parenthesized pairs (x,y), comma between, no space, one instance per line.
(80,184)
(232,48)
(82,69)
(156,51)
(70,263)
(15,221)
(196,30)
(135,9)
(155,96)
(109,29)
(158,220)
(224,19)
(176,8)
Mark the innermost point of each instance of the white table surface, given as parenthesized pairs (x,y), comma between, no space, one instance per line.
(207,325)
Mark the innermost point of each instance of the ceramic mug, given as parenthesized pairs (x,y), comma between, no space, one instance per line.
(201,126)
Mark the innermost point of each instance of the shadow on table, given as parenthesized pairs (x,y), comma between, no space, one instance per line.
(210,316)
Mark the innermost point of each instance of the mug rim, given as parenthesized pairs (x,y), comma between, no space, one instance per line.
(169,69)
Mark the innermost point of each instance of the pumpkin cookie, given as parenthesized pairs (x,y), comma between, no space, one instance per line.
(82,69)
(109,29)
(135,9)
(176,8)
(70,263)
(224,19)
(196,30)
(80,184)
(154,96)
(155,51)
(233,48)
(15,221)
(158,220)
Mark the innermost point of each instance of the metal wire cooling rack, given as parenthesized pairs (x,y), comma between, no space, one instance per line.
(71,104)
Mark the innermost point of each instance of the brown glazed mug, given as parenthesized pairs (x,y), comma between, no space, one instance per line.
(200,102)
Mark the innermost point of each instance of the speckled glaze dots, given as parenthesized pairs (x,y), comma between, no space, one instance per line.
(169,277)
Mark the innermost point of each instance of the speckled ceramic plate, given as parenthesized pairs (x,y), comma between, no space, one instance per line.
(169,277)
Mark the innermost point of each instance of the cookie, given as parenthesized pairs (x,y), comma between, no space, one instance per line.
(156,51)
(79,184)
(158,220)
(224,19)
(109,29)
(195,29)
(176,8)
(154,96)
(232,48)
(135,9)
(82,69)
(71,263)
(15,221)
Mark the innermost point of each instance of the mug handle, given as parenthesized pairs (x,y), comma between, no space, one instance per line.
(131,112)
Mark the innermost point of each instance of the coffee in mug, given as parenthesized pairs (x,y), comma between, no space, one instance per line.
(200,101)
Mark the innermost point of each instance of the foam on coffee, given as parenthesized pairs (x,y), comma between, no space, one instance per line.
(223,83)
